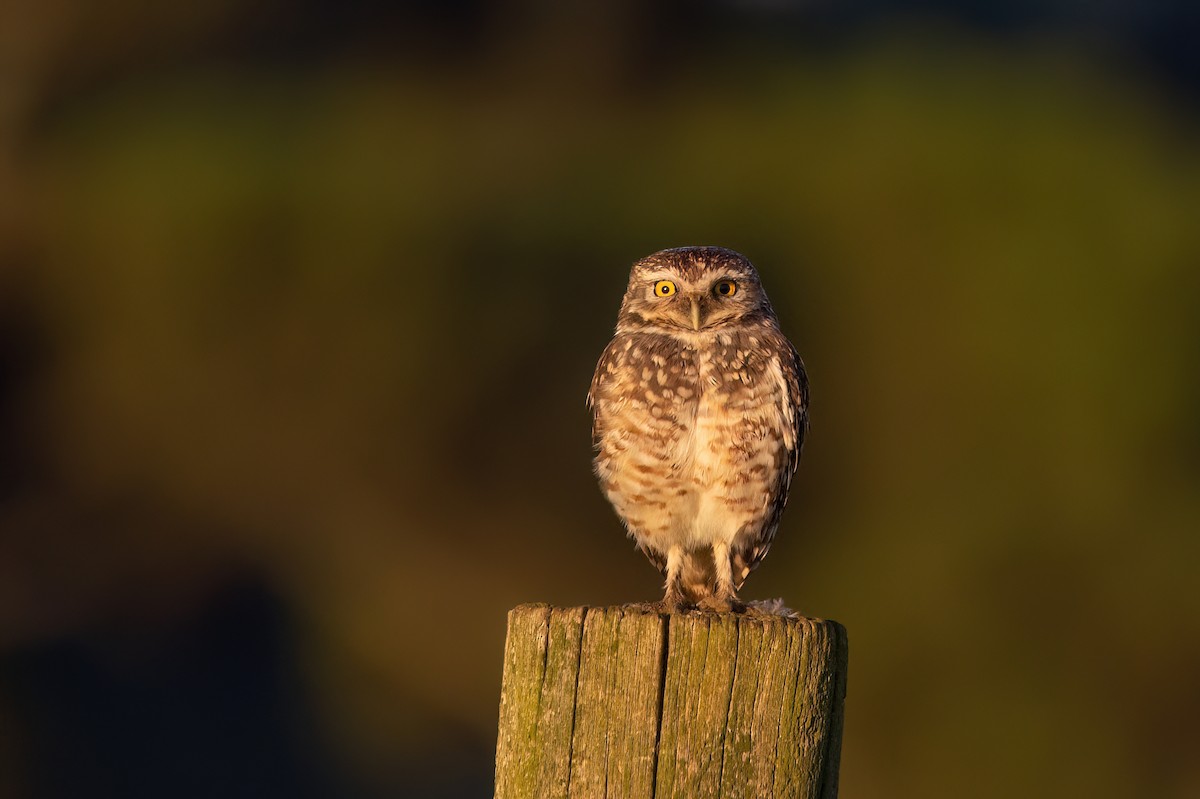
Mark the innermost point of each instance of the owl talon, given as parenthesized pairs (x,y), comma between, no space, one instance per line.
(674,602)
(722,604)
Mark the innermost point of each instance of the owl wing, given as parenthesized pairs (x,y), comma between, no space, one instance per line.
(658,559)
(785,366)
(610,361)
(796,380)
(605,368)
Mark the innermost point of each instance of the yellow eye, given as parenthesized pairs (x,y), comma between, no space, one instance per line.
(726,288)
(664,288)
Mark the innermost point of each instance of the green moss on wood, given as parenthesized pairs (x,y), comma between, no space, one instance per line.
(627,702)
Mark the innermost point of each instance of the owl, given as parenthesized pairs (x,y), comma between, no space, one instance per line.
(699,411)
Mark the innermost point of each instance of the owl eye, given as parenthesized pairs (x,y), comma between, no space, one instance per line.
(726,288)
(664,288)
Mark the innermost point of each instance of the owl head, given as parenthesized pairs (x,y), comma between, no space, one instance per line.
(693,289)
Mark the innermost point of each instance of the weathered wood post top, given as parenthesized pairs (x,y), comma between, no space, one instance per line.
(631,703)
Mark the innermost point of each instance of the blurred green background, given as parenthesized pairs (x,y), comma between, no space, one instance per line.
(299,305)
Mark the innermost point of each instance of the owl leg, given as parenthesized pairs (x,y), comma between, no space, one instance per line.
(725,596)
(673,599)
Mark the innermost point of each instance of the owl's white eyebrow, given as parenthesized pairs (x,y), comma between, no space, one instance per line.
(659,275)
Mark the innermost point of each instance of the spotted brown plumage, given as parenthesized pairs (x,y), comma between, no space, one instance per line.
(700,407)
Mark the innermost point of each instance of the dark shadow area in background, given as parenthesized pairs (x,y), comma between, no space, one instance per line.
(655,38)
(208,707)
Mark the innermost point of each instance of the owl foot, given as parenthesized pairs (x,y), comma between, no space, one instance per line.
(674,602)
(722,604)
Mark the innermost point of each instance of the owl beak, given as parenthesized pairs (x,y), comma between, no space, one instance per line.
(695,313)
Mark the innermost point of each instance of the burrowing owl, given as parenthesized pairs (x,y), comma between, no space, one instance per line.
(700,406)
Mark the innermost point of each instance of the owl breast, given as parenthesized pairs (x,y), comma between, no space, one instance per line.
(692,435)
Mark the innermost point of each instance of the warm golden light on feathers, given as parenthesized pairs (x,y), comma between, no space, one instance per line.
(700,407)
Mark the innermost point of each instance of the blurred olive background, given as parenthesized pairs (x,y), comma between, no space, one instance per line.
(299,305)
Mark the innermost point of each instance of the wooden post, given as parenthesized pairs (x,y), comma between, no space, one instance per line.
(629,703)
